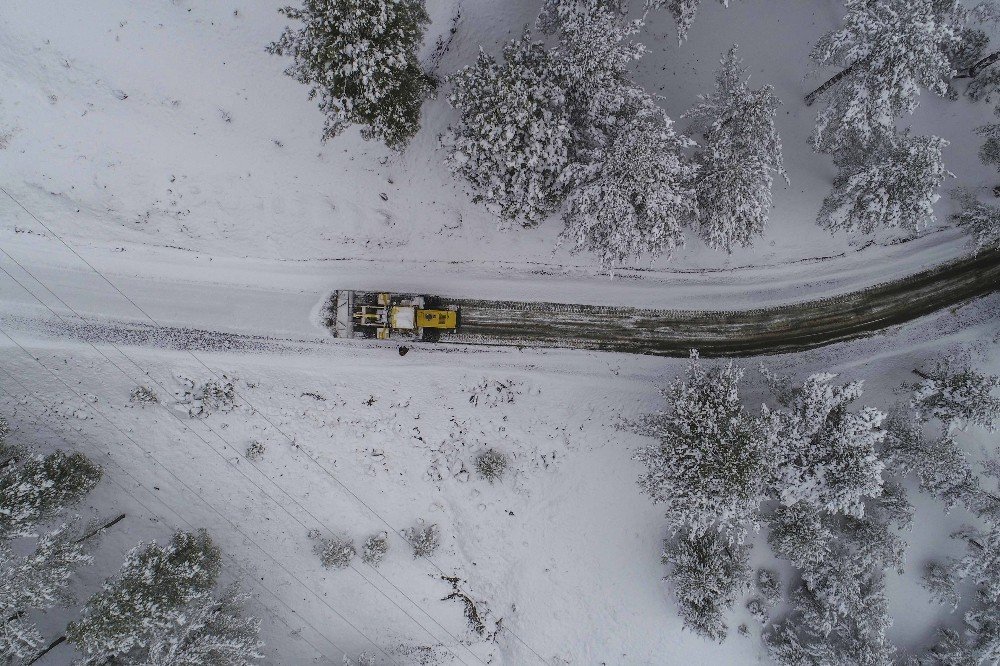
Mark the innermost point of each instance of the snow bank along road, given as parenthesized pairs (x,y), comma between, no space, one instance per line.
(788,328)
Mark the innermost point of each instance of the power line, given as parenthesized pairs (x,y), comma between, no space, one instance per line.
(196,494)
(246,575)
(230,463)
(251,405)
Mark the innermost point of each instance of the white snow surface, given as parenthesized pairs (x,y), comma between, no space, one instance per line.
(165,146)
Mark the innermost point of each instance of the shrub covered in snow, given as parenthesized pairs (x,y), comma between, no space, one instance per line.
(683,12)
(143,395)
(359,57)
(492,464)
(375,548)
(335,553)
(424,539)
(769,585)
(255,451)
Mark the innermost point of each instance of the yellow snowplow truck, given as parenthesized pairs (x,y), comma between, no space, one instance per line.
(384,315)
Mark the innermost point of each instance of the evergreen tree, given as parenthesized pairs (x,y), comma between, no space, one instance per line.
(742,149)
(891,183)
(633,195)
(827,456)
(940,466)
(706,574)
(359,58)
(41,488)
(513,137)
(711,467)
(207,630)
(889,51)
(958,395)
(38,580)
(979,220)
(683,12)
(142,600)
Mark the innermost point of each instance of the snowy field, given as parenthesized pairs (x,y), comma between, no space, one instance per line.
(164,145)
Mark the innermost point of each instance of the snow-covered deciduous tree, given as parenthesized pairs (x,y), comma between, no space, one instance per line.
(940,465)
(42,487)
(513,136)
(958,395)
(335,553)
(889,51)
(711,467)
(683,12)
(424,539)
(633,195)
(706,574)
(827,456)
(359,58)
(38,580)
(741,151)
(143,598)
(208,630)
(891,183)
(979,220)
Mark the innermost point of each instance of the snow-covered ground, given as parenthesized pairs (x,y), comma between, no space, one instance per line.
(164,144)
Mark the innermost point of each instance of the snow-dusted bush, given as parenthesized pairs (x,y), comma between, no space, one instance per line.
(706,574)
(512,139)
(711,468)
(424,539)
(213,395)
(255,451)
(633,195)
(888,51)
(892,182)
(826,456)
(492,464)
(979,220)
(958,395)
(769,585)
(741,151)
(375,548)
(683,12)
(359,57)
(758,610)
(154,583)
(143,395)
(335,553)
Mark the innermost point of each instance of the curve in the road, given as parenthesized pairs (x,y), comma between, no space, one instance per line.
(784,329)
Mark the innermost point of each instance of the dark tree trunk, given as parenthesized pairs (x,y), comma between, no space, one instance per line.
(979,66)
(831,82)
(53,644)
(97,530)
(922,375)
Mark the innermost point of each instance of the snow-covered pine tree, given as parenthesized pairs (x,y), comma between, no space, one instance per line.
(940,466)
(513,136)
(741,151)
(889,51)
(207,630)
(153,583)
(42,487)
(958,395)
(632,196)
(706,574)
(979,220)
(711,467)
(359,58)
(36,581)
(891,183)
(827,456)
(683,12)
